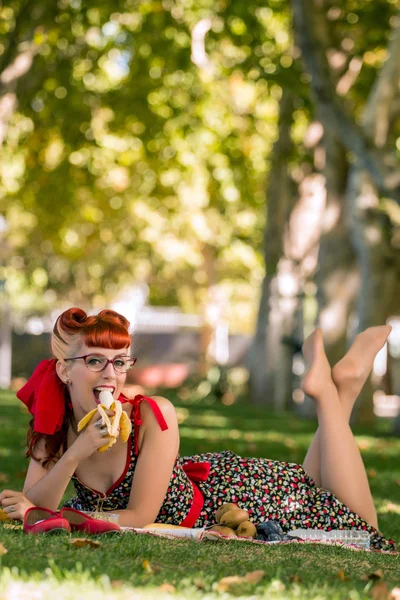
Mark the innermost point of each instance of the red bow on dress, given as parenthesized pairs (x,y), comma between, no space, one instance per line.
(197,471)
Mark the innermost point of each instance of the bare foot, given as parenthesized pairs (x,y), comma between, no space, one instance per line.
(318,376)
(351,372)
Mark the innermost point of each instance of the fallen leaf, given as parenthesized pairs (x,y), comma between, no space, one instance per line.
(395,594)
(295,579)
(277,585)
(380,591)
(3,549)
(147,566)
(254,576)
(199,583)
(226,583)
(341,575)
(82,542)
(167,588)
(371,473)
(378,574)
(4,478)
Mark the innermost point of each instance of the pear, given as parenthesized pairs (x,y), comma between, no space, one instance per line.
(223,509)
(225,531)
(247,529)
(234,517)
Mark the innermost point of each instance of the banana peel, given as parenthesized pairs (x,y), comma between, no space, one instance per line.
(118,425)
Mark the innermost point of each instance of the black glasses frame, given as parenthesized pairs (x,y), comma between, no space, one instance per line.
(132,360)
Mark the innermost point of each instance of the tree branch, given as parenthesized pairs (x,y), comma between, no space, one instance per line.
(13,39)
(380,107)
(351,134)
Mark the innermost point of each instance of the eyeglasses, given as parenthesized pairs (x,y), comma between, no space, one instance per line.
(98,362)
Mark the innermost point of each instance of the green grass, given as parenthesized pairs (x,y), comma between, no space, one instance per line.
(140,566)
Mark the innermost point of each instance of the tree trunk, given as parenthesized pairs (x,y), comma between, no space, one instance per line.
(369,144)
(378,267)
(378,258)
(337,277)
(307,24)
(267,355)
(5,339)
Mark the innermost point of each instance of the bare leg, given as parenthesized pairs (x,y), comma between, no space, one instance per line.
(349,376)
(342,468)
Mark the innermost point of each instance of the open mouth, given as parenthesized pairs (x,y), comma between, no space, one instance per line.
(97,390)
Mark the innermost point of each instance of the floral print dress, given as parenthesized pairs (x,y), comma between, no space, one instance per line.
(200,484)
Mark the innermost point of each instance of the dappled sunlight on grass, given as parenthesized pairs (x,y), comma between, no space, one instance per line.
(5,451)
(255,437)
(388,507)
(389,447)
(242,429)
(236,434)
(205,420)
(248,431)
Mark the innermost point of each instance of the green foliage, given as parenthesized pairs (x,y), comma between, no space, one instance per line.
(125,161)
(220,385)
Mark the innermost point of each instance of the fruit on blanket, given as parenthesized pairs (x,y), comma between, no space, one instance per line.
(271,526)
(224,508)
(234,517)
(226,531)
(118,425)
(270,531)
(247,529)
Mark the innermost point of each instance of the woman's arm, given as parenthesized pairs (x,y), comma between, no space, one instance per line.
(43,486)
(46,487)
(154,466)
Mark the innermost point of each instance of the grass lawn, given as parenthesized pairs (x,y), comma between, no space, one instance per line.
(132,566)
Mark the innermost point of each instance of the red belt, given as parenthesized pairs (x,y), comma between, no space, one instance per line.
(196,471)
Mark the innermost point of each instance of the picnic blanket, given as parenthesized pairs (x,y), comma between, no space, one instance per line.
(202,534)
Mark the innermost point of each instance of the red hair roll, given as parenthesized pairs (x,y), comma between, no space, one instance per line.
(108,329)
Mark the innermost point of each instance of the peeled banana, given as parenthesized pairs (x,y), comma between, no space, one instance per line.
(118,425)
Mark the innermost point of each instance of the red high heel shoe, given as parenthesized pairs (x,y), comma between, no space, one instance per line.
(78,521)
(42,520)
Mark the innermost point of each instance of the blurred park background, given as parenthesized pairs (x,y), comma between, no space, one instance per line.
(225,174)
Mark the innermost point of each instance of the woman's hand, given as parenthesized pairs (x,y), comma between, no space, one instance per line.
(15,504)
(94,436)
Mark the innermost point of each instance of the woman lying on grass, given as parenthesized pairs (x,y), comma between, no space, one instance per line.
(146,480)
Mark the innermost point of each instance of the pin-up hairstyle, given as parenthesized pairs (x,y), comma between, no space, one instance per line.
(73,327)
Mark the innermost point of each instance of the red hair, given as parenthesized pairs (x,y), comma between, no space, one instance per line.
(108,329)
(73,327)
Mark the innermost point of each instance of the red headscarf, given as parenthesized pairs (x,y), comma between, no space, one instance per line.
(45,396)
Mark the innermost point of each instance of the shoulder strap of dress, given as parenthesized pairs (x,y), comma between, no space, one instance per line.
(137,421)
